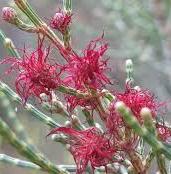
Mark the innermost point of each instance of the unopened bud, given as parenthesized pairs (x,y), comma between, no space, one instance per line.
(60,21)
(120,105)
(146,113)
(147,116)
(137,88)
(58,17)
(9,14)
(8,43)
(129,65)
(75,120)
(129,71)
(148,119)
(68,124)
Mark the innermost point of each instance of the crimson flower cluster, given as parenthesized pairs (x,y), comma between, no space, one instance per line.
(35,74)
(136,100)
(61,21)
(100,149)
(87,72)
(8,14)
(89,145)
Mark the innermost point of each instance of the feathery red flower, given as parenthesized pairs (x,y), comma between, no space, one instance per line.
(88,146)
(89,69)
(61,21)
(136,99)
(116,128)
(35,74)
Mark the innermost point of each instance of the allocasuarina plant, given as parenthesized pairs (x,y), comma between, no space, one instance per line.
(129,119)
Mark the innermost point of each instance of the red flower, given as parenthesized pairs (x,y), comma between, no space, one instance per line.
(136,99)
(88,70)
(35,74)
(117,129)
(88,146)
(9,14)
(60,21)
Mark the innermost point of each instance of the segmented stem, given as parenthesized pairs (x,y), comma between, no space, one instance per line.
(6,159)
(14,121)
(8,44)
(26,151)
(35,112)
(67,5)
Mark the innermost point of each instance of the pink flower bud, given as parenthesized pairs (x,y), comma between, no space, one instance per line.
(60,21)
(9,14)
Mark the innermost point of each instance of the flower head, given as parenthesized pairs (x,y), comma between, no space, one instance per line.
(89,69)
(60,21)
(136,99)
(88,146)
(35,74)
(9,14)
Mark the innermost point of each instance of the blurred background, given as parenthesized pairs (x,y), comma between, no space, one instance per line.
(136,29)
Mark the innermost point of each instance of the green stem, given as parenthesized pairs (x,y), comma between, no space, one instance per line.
(38,114)
(26,8)
(8,44)
(150,126)
(149,160)
(14,120)
(71,91)
(76,123)
(29,165)
(26,151)
(67,5)
(60,138)
(161,163)
(17,162)
(89,117)
(25,27)
(108,95)
(55,107)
